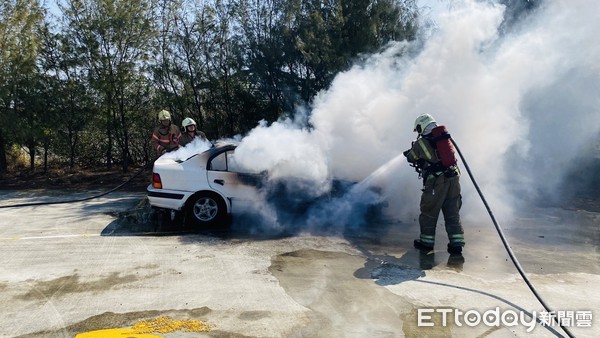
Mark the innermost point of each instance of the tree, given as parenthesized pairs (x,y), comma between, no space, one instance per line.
(88,91)
(330,36)
(295,48)
(69,103)
(180,69)
(21,24)
(233,103)
(115,37)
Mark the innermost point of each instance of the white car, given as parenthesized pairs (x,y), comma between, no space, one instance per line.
(207,187)
(204,186)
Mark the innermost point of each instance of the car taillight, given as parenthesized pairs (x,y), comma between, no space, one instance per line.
(156,182)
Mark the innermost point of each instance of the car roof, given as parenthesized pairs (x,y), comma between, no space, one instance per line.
(217,148)
(219,145)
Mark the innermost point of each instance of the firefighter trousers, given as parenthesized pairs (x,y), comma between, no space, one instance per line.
(441,193)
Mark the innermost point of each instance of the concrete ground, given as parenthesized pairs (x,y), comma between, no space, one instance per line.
(72,269)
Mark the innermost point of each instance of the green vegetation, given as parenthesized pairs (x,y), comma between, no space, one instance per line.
(84,88)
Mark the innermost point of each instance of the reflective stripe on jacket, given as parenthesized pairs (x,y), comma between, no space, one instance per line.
(422,153)
(166,138)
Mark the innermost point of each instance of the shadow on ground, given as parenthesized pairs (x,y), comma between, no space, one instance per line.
(143,220)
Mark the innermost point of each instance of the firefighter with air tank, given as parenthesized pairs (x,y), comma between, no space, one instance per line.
(432,155)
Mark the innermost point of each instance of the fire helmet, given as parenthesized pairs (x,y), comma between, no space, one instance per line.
(164,115)
(188,121)
(423,121)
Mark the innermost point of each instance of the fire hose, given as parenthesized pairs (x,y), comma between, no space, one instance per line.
(79,199)
(505,242)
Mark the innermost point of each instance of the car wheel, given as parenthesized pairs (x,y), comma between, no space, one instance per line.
(206,209)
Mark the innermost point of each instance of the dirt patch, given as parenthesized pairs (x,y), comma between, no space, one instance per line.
(77,179)
(43,290)
(341,304)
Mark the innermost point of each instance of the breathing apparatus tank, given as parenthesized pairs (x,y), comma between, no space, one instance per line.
(445,149)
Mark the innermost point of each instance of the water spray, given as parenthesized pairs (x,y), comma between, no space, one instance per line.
(505,242)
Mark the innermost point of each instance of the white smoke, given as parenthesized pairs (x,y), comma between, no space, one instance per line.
(284,149)
(558,56)
(197,146)
(520,105)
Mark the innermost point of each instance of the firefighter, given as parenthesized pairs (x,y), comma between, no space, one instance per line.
(441,186)
(190,132)
(166,136)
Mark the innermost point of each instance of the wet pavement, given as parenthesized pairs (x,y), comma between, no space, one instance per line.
(110,263)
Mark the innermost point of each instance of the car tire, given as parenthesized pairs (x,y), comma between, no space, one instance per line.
(206,210)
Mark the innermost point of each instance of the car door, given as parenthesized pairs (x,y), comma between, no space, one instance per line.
(238,186)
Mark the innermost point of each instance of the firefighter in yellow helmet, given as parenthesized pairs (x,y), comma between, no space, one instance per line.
(166,135)
(190,132)
(441,190)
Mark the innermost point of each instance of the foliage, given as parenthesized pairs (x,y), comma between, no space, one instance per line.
(21,87)
(85,88)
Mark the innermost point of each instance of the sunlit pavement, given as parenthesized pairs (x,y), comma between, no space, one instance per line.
(72,269)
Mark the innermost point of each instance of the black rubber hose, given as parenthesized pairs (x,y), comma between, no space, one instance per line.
(79,199)
(505,242)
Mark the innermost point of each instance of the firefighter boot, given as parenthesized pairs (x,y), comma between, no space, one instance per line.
(419,244)
(455,248)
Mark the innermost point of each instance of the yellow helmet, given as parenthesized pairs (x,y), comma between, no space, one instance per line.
(423,121)
(164,115)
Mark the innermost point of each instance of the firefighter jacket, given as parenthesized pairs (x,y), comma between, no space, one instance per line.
(441,192)
(165,139)
(425,157)
(187,138)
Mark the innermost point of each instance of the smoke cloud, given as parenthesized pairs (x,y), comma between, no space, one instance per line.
(522,102)
(183,153)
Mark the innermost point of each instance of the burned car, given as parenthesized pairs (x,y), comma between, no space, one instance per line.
(203,187)
(207,187)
